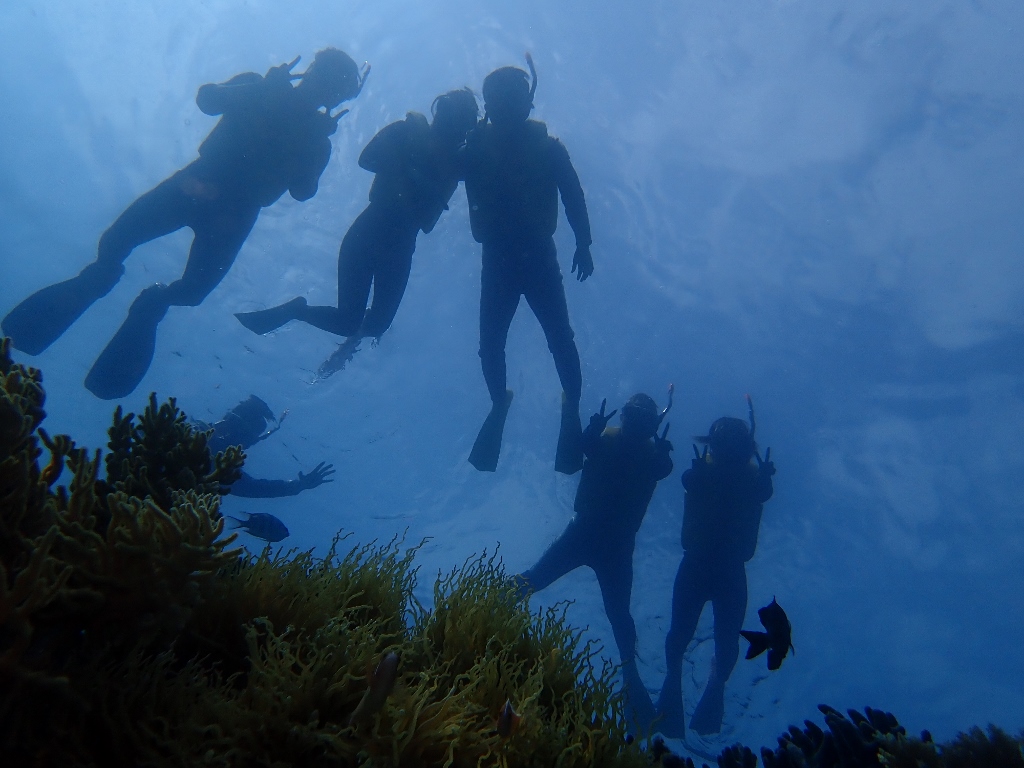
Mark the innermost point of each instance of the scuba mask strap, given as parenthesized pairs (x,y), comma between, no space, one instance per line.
(750,416)
(533,74)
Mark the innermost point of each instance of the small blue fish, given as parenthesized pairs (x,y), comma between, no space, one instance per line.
(262,526)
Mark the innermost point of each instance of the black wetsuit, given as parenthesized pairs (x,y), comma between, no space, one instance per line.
(269,140)
(413,184)
(616,486)
(721,519)
(513,181)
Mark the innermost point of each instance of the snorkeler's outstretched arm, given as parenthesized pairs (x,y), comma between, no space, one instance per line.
(250,487)
(319,475)
(575,204)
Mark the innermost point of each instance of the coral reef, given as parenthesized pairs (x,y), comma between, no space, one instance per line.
(865,740)
(130,634)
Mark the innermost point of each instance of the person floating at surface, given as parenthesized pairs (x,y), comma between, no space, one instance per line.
(247,424)
(621,470)
(725,492)
(515,172)
(416,167)
(272,137)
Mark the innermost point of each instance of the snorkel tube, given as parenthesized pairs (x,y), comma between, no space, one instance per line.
(533,74)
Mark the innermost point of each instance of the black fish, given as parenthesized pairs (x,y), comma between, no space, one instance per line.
(777,640)
(262,526)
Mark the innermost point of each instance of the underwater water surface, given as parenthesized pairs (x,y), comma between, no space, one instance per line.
(814,203)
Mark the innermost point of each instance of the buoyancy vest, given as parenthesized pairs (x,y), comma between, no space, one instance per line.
(617,484)
(266,141)
(418,180)
(512,183)
(722,510)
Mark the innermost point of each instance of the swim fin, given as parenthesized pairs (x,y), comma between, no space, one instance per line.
(44,316)
(569,452)
(487,447)
(125,360)
(267,320)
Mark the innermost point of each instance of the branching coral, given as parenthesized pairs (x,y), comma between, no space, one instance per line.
(85,571)
(162,454)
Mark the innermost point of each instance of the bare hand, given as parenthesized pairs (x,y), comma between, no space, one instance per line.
(766,466)
(583,263)
(320,474)
(282,71)
(599,420)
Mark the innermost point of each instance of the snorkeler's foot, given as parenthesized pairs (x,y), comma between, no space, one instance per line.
(339,358)
(266,320)
(487,447)
(121,366)
(44,316)
(569,453)
(707,717)
(670,719)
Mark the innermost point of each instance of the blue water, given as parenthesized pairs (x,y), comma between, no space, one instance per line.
(817,203)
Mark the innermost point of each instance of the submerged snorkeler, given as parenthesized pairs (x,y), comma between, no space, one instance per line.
(725,492)
(515,172)
(621,470)
(247,424)
(272,138)
(416,167)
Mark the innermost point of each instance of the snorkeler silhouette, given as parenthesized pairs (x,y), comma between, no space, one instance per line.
(725,492)
(621,470)
(515,172)
(416,167)
(273,137)
(247,424)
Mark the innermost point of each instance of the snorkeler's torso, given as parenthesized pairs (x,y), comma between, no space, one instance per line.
(722,510)
(421,178)
(266,142)
(616,485)
(511,183)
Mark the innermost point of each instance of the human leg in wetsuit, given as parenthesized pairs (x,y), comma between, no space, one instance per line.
(612,563)
(729,602)
(530,270)
(377,250)
(697,582)
(43,317)
(220,227)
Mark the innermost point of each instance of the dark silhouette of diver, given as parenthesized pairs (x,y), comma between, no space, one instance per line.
(417,172)
(515,172)
(725,492)
(622,468)
(247,424)
(272,137)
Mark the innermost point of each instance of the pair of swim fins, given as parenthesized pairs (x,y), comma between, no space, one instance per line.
(43,317)
(568,454)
